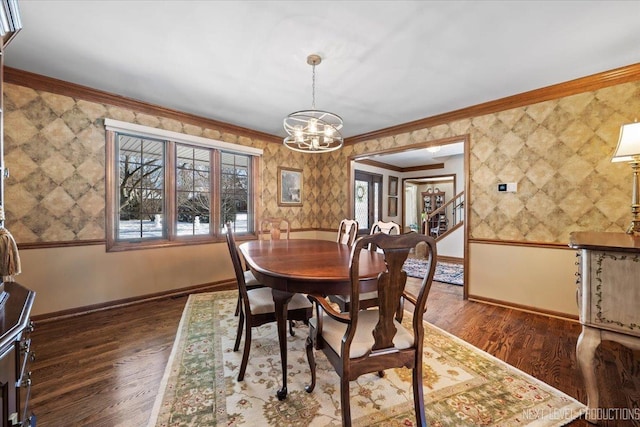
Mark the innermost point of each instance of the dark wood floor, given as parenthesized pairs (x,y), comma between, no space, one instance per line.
(104,368)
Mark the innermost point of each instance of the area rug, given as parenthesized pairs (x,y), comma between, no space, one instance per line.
(463,385)
(445,272)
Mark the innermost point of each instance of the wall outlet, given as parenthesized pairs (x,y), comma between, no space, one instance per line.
(509,187)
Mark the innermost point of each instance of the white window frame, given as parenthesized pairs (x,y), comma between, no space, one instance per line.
(114,127)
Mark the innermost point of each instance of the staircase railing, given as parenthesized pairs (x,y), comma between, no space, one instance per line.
(453,212)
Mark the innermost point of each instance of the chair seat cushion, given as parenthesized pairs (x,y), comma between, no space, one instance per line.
(363,296)
(261,301)
(250,280)
(333,331)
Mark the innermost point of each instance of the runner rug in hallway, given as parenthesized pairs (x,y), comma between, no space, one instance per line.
(446,272)
(463,385)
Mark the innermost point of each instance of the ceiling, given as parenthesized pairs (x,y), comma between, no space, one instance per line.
(384,62)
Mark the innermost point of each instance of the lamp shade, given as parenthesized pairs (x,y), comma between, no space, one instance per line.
(628,148)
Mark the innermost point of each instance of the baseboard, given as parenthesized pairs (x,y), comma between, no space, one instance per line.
(520,307)
(79,311)
(451,259)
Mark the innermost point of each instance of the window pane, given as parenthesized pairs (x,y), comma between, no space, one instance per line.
(376,202)
(193,190)
(235,190)
(362,204)
(141,188)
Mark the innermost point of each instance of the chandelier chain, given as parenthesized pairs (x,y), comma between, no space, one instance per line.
(313,87)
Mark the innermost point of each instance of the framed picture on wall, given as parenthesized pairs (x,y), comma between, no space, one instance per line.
(393,185)
(289,187)
(393,206)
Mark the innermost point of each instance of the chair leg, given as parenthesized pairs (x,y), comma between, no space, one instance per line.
(245,352)
(291,331)
(344,402)
(239,333)
(238,306)
(381,374)
(418,395)
(312,365)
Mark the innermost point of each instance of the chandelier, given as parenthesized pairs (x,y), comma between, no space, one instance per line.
(313,131)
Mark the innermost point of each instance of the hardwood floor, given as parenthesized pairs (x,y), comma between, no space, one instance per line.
(104,368)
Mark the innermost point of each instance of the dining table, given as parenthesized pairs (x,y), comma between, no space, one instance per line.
(306,266)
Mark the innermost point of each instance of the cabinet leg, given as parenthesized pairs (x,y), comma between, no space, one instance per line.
(588,342)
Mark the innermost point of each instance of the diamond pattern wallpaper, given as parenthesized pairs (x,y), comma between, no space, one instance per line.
(557,151)
(55,151)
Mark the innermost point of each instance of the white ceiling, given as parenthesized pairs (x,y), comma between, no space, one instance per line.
(384,62)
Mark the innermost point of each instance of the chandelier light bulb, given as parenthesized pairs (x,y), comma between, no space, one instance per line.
(313,125)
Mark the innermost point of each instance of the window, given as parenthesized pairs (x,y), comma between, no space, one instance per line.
(169,188)
(193,190)
(141,187)
(235,190)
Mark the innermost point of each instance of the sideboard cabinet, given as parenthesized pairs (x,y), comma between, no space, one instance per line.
(16,356)
(432,199)
(608,297)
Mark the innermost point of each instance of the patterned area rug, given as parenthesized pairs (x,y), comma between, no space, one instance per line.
(463,385)
(445,272)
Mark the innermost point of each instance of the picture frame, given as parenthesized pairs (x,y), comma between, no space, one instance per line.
(393,206)
(393,185)
(290,187)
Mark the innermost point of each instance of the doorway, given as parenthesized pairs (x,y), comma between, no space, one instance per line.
(429,161)
(368,200)
(419,193)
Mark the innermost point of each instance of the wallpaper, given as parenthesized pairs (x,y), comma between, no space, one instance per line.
(55,151)
(558,152)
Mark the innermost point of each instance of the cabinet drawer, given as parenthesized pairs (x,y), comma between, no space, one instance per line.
(610,291)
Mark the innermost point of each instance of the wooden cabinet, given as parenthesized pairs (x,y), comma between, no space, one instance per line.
(608,297)
(432,199)
(16,356)
(15,327)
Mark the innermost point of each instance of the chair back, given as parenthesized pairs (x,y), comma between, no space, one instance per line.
(237,263)
(390,287)
(277,228)
(385,227)
(347,231)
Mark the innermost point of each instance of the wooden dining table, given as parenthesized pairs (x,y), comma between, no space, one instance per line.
(305,266)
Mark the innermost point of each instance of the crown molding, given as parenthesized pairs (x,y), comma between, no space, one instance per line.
(60,87)
(613,77)
(584,84)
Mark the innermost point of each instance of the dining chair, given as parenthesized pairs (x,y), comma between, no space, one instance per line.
(365,341)
(257,306)
(389,227)
(276,228)
(347,231)
(368,299)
